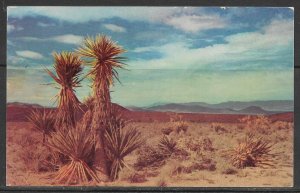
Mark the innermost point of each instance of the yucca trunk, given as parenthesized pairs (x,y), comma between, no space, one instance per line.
(68,68)
(67,108)
(100,121)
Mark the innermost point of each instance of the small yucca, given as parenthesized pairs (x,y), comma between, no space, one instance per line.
(68,68)
(252,152)
(78,144)
(42,121)
(167,130)
(167,145)
(119,142)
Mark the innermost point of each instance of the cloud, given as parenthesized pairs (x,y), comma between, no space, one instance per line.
(41,24)
(15,60)
(270,47)
(29,54)
(196,23)
(114,28)
(11,28)
(66,39)
(85,14)
(188,19)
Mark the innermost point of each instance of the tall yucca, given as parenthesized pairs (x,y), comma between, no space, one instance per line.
(42,121)
(104,55)
(68,68)
(78,145)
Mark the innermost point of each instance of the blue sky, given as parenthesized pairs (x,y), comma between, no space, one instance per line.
(175,54)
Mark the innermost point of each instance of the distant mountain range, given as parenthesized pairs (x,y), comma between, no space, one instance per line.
(231,107)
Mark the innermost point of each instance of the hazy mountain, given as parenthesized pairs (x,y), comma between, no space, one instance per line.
(231,107)
(272,105)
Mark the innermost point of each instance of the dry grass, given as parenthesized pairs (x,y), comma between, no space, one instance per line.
(189,159)
(252,152)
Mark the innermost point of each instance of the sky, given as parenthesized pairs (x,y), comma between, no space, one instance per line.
(174,54)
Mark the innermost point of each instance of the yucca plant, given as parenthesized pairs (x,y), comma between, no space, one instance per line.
(167,145)
(252,152)
(42,121)
(78,144)
(104,55)
(68,68)
(105,59)
(119,142)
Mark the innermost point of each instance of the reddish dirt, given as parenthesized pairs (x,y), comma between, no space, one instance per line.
(17,113)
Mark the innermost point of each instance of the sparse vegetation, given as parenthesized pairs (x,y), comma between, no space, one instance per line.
(258,123)
(252,152)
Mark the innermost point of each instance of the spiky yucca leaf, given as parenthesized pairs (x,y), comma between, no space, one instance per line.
(119,142)
(252,152)
(167,145)
(68,68)
(42,121)
(79,145)
(104,54)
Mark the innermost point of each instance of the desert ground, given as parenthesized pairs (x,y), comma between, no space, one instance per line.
(200,157)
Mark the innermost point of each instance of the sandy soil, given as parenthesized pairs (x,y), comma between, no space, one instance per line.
(24,149)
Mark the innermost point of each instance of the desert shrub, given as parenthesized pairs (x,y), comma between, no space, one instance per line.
(219,128)
(194,165)
(241,127)
(178,123)
(156,156)
(282,125)
(229,171)
(259,123)
(42,121)
(190,144)
(167,130)
(132,176)
(181,126)
(207,144)
(137,178)
(195,144)
(149,157)
(78,145)
(251,152)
